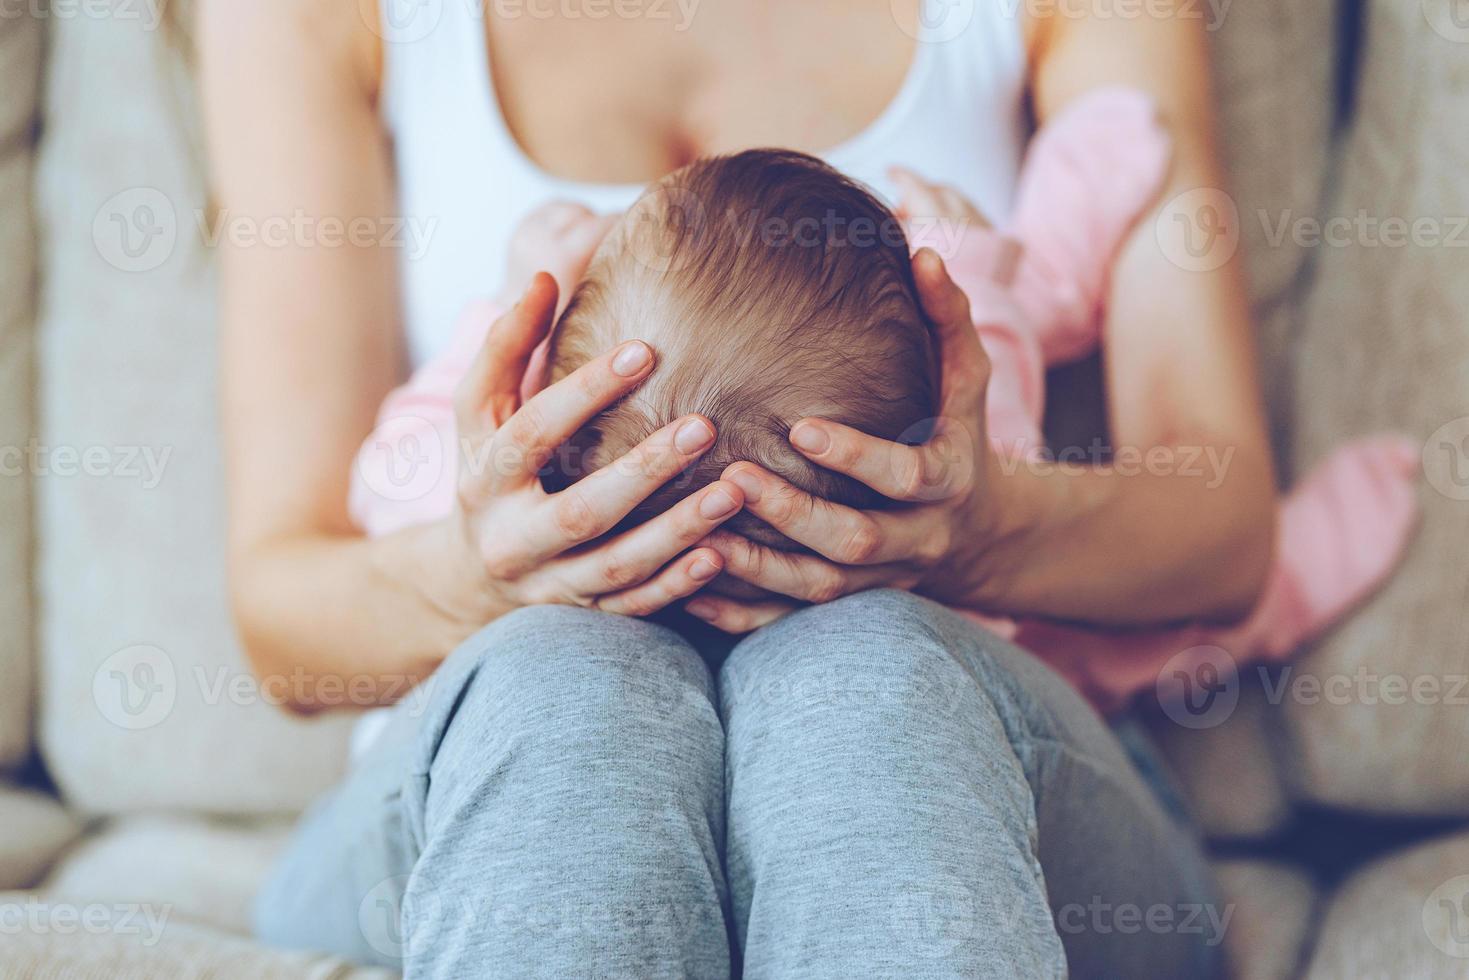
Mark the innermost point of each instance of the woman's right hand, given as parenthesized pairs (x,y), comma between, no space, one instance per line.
(525,546)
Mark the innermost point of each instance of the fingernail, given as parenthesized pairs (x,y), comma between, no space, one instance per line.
(717,504)
(692,436)
(703,569)
(747,482)
(704,610)
(631,359)
(810,438)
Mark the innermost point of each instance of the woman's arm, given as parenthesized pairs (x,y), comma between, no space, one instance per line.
(1180,373)
(310,346)
(1174,541)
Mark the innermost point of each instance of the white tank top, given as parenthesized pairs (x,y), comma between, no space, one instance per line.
(464,182)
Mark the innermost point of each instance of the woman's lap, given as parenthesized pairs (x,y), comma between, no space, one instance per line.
(901,789)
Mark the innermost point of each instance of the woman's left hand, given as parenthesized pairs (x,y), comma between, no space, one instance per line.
(946,486)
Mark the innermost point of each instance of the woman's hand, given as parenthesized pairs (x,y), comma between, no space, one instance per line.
(933,544)
(524,546)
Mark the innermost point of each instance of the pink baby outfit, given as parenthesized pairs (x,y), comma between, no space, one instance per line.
(1037,293)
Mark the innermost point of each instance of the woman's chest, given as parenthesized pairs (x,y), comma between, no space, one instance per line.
(627,98)
(611,105)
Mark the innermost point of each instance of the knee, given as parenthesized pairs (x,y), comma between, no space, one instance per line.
(554,678)
(881,650)
(859,618)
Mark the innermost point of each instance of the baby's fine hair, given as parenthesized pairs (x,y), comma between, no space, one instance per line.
(772,288)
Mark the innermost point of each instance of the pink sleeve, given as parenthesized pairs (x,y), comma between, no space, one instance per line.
(406,469)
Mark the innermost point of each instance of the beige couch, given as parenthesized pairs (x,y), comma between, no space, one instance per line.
(170,779)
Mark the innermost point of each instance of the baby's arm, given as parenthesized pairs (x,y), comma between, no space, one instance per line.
(983,263)
(406,470)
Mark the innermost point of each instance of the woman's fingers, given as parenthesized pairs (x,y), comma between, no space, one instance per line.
(840,534)
(523,444)
(681,579)
(801,576)
(592,506)
(937,470)
(489,393)
(966,368)
(634,556)
(735,616)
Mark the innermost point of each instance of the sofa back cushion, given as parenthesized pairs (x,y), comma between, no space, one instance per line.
(1377,713)
(146,702)
(21,39)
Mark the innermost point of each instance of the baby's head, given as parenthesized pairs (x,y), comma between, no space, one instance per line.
(773,289)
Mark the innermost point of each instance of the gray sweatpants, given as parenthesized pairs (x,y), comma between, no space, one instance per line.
(874,787)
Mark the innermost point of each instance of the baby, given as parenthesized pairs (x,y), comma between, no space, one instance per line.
(774,288)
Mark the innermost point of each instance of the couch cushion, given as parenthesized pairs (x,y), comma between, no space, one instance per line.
(1223,760)
(1403,916)
(61,940)
(34,828)
(206,871)
(1274,76)
(147,703)
(1272,908)
(20,69)
(1377,712)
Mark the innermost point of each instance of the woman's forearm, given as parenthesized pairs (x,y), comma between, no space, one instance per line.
(350,621)
(1168,534)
